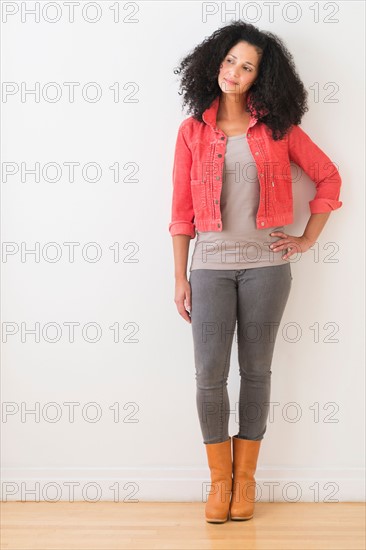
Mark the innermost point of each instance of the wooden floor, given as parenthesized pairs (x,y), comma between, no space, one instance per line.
(173,526)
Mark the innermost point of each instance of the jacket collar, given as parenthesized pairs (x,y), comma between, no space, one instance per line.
(210,114)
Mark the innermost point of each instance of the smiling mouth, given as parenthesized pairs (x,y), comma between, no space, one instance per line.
(229,81)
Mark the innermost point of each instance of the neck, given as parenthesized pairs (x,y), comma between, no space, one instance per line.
(232,106)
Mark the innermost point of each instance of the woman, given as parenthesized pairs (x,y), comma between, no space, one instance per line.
(232,187)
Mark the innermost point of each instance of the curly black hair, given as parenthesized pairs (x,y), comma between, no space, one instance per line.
(278,98)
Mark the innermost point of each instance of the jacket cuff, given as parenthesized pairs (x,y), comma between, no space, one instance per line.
(182,228)
(318,206)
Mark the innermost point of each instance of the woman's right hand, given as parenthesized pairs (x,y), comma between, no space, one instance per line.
(182,297)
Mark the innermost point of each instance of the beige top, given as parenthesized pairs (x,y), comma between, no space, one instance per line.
(240,245)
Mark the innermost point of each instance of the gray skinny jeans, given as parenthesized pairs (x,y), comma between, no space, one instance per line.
(253,300)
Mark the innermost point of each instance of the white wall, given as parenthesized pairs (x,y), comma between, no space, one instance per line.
(147,442)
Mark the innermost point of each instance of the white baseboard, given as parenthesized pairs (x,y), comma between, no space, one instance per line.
(175,485)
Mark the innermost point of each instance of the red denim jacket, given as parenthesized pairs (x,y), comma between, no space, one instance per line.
(198,170)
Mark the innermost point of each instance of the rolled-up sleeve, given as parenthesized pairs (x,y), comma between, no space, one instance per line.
(318,166)
(182,213)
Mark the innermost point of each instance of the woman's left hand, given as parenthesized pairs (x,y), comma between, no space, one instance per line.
(291,243)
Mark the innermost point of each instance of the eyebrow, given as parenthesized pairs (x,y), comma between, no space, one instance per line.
(249,63)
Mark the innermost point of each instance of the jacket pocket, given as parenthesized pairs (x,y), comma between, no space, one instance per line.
(199,197)
(281,187)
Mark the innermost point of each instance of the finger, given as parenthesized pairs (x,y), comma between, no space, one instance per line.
(276,233)
(186,317)
(288,254)
(295,248)
(279,245)
(283,243)
(187,303)
(184,313)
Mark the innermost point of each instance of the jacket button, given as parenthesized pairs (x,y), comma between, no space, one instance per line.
(249,135)
(219,155)
(217,177)
(218,225)
(272,183)
(222,137)
(262,223)
(257,152)
(216,201)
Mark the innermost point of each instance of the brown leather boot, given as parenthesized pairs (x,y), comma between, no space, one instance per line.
(221,467)
(245,456)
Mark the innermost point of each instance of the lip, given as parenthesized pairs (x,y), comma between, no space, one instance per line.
(229,81)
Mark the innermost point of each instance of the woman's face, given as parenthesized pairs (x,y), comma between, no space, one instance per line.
(239,69)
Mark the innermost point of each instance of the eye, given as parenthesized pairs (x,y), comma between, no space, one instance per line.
(246,68)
